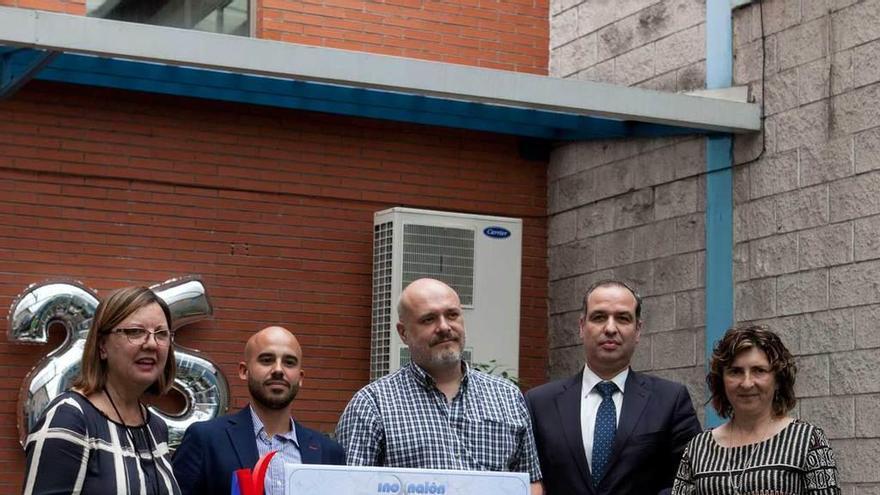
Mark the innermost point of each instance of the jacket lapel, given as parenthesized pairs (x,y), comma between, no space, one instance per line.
(309,445)
(635,398)
(568,405)
(241,434)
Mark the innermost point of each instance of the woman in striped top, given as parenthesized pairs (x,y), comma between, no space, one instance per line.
(99,437)
(761,450)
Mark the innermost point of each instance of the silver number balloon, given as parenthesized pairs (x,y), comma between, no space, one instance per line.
(72,305)
(198,378)
(40,306)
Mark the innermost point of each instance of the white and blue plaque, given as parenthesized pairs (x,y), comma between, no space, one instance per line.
(315,479)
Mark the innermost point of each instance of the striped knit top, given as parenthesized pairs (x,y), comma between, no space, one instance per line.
(797,460)
(74,448)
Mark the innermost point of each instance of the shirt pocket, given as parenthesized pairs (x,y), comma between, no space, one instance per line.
(493,441)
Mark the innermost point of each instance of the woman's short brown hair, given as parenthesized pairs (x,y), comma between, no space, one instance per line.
(743,338)
(115,308)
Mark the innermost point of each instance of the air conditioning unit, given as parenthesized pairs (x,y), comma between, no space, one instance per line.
(478,256)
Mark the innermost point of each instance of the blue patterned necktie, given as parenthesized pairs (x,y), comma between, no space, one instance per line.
(603,434)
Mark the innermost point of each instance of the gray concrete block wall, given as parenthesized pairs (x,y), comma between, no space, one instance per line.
(639,215)
(647,43)
(632,209)
(807,229)
(806,193)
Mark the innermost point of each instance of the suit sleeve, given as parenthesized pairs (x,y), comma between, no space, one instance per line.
(530,406)
(189,461)
(684,427)
(361,433)
(335,454)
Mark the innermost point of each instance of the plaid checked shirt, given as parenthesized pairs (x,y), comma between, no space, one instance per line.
(403,420)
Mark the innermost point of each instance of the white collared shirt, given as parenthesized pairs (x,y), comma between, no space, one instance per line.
(590,401)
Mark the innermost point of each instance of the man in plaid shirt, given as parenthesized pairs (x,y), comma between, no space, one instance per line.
(437,412)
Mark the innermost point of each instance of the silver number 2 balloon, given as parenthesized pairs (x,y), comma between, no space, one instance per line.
(72,305)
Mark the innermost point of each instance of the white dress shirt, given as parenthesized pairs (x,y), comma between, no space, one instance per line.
(590,401)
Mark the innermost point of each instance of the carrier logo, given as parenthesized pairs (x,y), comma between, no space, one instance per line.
(398,487)
(496,232)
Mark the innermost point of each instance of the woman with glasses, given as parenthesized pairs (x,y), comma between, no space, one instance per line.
(98,437)
(761,449)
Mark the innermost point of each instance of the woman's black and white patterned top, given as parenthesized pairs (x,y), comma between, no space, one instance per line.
(796,460)
(75,448)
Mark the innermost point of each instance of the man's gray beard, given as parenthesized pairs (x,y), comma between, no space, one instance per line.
(447,357)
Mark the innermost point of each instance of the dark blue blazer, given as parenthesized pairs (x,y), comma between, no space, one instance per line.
(212,450)
(657,420)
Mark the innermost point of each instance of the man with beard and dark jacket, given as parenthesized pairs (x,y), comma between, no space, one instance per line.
(211,451)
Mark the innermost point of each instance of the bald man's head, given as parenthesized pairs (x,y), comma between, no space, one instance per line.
(268,335)
(272,367)
(431,323)
(416,290)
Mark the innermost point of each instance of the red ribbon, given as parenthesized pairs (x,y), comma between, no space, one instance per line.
(251,483)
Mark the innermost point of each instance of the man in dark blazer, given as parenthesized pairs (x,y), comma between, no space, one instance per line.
(655,418)
(212,450)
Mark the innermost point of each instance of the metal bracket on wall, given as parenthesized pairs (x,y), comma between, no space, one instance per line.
(20,65)
(735,4)
(732,93)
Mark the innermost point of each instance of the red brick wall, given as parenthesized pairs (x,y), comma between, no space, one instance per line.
(273,208)
(501,34)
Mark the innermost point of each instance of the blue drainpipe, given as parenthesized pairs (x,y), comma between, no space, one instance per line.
(719,188)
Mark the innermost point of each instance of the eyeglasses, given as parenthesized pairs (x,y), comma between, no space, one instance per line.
(139,336)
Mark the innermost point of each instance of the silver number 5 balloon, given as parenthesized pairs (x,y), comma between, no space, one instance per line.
(72,305)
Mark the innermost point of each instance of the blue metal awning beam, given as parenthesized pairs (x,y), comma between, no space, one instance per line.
(119,74)
(205,65)
(14,75)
